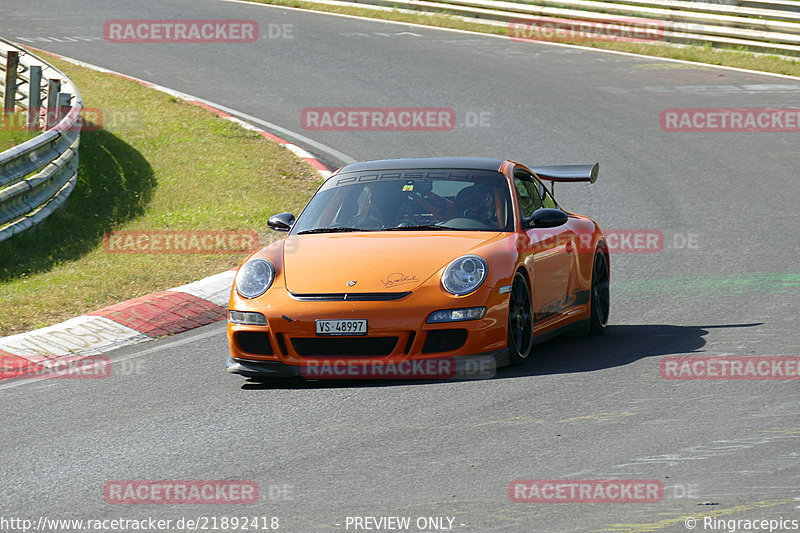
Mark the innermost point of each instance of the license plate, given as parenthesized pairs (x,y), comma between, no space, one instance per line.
(342,327)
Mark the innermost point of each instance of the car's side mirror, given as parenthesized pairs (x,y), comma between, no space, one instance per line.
(281,222)
(545,217)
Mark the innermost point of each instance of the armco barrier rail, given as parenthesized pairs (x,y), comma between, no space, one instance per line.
(37,176)
(771,26)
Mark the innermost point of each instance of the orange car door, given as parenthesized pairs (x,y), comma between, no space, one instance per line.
(551,250)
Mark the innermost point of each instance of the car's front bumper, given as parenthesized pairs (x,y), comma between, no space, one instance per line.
(399,338)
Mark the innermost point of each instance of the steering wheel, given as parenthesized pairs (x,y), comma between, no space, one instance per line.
(372,218)
(405,214)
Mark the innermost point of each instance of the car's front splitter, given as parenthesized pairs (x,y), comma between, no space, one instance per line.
(463,367)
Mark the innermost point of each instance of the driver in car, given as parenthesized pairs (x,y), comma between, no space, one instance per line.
(476,202)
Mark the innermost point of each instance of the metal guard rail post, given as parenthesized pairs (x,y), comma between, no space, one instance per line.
(37,177)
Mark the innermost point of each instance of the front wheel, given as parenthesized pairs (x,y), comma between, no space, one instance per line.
(520,321)
(600,297)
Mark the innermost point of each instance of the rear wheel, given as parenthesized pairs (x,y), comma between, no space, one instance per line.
(600,295)
(520,321)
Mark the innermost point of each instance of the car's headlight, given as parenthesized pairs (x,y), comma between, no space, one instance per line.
(248,318)
(455,315)
(254,278)
(464,275)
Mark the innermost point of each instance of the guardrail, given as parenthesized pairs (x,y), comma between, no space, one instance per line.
(771,26)
(36,177)
(788,5)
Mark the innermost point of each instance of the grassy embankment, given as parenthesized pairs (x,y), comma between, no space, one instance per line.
(12,131)
(157,163)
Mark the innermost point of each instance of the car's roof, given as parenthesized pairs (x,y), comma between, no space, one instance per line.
(472,163)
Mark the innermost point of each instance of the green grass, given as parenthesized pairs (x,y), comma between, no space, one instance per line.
(157,163)
(702,54)
(12,131)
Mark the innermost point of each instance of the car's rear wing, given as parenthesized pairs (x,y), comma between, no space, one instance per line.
(567,173)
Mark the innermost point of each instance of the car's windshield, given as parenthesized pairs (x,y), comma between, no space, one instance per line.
(409,200)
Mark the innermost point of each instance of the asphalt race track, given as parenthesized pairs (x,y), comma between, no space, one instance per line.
(723,283)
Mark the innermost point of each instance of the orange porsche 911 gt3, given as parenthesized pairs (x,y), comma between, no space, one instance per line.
(419,268)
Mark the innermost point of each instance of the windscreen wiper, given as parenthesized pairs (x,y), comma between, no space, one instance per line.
(338,229)
(421,227)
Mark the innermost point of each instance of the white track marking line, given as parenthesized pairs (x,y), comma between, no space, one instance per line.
(23,380)
(477,21)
